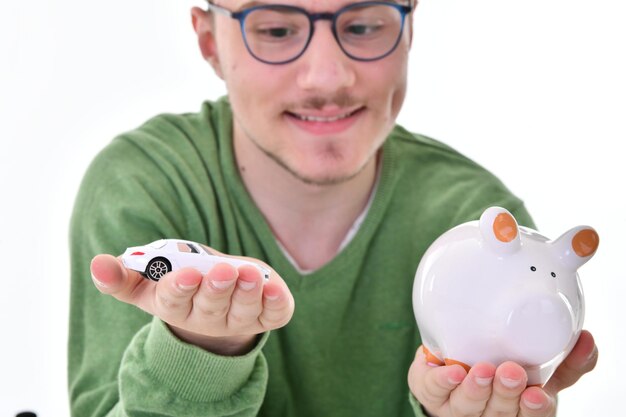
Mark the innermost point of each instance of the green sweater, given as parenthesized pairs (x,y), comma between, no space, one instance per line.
(348,348)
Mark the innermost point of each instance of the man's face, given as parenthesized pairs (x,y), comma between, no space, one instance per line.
(321,117)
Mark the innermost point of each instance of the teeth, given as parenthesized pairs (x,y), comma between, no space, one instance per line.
(322,119)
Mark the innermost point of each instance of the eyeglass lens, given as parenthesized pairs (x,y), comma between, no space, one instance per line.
(279,34)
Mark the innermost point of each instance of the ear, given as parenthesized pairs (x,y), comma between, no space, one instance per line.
(576,246)
(204,25)
(499,230)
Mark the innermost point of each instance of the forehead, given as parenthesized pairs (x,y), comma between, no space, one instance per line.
(306,4)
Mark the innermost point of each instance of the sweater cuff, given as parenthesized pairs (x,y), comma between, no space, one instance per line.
(417,407)
(194,373)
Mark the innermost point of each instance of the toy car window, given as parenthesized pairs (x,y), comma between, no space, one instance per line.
(183,247)
(204,249)
(157,244)
(186,247)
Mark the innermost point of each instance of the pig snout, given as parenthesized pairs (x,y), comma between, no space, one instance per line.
(538,328)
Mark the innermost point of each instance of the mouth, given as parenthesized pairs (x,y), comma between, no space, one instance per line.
(325,122)
(324,118)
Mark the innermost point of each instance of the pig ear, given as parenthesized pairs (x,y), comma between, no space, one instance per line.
(577,246)
(499,230)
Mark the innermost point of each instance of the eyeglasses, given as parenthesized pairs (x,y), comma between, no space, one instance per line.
(279,34)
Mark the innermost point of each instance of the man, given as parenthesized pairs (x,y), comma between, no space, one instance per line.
(303,168)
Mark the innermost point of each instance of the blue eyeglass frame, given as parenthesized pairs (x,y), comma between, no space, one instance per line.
(313,17)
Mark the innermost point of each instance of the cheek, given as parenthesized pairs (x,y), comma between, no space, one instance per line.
(399,76)
(254,94)
(390,81)
(245,90)
(398,98)
(251,82)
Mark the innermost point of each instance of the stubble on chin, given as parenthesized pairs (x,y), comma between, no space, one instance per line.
(329,153)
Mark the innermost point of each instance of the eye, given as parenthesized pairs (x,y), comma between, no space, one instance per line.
(275,32)
(532,268)
(362,29)
(553,274)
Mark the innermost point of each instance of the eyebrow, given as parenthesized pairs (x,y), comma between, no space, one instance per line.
(251,4)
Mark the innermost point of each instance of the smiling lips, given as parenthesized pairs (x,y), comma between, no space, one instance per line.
(325,122)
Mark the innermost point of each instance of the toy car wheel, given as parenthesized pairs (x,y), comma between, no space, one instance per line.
(158,267)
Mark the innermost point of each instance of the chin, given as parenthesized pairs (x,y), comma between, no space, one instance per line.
(324,181)
(324,174)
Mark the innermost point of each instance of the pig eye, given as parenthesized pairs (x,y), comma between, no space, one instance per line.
(532,268)
(553,274)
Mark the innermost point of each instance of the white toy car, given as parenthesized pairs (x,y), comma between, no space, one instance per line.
(165,255)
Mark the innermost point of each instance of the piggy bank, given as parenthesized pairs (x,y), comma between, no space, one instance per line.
(493,291)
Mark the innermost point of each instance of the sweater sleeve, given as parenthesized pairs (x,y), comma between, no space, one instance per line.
(417,407)
(122,361)
(161,375)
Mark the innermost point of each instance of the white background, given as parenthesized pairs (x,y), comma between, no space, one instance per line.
(534,90)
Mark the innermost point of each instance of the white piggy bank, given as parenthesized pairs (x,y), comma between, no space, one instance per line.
(493,291)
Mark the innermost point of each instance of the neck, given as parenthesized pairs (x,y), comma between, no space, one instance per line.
(309,220)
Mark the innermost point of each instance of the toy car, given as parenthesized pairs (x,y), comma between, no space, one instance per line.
(165,255)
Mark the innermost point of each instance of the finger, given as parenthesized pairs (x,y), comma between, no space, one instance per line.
(278,306)
(247,258)
(212,301)
(432,385)
(173,296)
(246,303)
(471,397)
(537,403)
(111,277)
(582,359)
(508,385)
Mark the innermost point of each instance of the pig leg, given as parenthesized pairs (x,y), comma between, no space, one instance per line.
(432,359)
(449,361)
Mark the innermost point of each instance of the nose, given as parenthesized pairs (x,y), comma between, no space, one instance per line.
(539,328)
(324,67)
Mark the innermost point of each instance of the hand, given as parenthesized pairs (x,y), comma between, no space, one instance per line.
(488,391)
(222,311)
